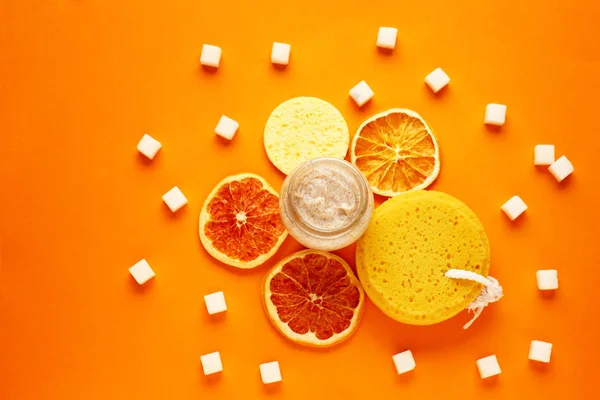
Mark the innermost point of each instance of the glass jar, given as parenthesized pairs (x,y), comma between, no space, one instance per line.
(326,204)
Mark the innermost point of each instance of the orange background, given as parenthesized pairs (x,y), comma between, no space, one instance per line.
(82,80)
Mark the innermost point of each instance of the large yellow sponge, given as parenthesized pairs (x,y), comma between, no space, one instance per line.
(304,128)
(412,240)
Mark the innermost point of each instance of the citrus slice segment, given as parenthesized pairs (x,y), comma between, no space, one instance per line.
(396,151)
(302,129)
(240,223)
(313,298)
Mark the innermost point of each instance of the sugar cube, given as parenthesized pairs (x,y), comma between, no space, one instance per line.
(540,351)
(174,199)
(495,114)
(227,127)
(270,372)
(149,146)
(437,80)
(561,168)
(141,272)
(280,54)
(547,279)
(361,93)
(488,366)
(211,363)
(215,303)
(543,154)
(386,38)
(404,362)
(514,207)
(211,56)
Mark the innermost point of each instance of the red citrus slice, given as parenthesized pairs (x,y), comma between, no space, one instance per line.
(313,298)
(240,224)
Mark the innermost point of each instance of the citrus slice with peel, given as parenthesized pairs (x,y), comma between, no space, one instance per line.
(313,298)
(240,223)
(396,151)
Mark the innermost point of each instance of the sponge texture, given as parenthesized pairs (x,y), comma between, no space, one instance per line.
(304,128)
(411,242)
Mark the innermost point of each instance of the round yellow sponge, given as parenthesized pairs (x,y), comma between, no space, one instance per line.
(304,128)
(412,240)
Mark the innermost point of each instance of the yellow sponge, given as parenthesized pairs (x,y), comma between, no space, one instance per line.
(304,128)
(412,240)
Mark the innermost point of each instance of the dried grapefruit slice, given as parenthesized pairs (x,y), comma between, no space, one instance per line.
(313,298)
(396,151)
(240,224)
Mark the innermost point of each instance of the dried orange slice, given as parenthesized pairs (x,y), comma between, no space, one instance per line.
(396,151)
(240,224)
(313,298)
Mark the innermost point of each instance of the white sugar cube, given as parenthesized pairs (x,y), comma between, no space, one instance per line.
(514,207)
(404,362)
(540,351)
(141,272)
(386,38)
(174,199)
(437,80)
(270,373)
(561,168)
(215,303)
(227,127)
(211,56)
(543,154)
(280,54)
(547,279)
(361,93)
(211,363)
(495,114)
(149,146)
(488,366)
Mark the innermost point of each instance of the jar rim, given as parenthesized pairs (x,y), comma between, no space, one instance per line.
(365,192)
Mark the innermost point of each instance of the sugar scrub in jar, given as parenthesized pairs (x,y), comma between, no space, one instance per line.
(326,204)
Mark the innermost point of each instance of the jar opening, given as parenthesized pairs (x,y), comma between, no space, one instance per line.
(327,196)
